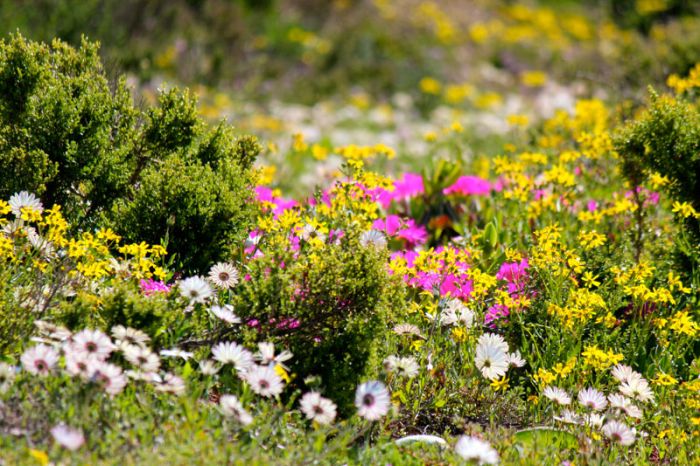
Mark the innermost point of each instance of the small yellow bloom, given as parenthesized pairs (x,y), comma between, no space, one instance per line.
(664,379)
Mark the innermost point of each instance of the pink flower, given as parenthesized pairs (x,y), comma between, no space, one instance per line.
(469,185)
(410,185)
(495,312)
(391,224)
(413,234)
(150,287)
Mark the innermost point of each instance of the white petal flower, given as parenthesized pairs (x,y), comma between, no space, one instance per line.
(23,199)
(455,312)
(195,289)
(317,408)
(592,398)
(638,389)
(372,400)
(68,437)
(625,373)
(230,406)
(619,433)
(557,395)
(109,376)
(127,335)
(224,275)
(39,359)
(264,381)
(491,356)
(474,449)
(233,353)
(226,314)
(516,360)
(93,343)
(143,358)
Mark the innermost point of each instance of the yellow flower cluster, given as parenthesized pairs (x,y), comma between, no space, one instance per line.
(559,371)
(600,359)
(354,152)
(90,255)
(681,85)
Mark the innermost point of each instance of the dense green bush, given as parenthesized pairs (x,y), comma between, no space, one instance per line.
(74,138)
(666,139)
(329,306)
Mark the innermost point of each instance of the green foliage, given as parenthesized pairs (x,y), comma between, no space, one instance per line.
(69,136)
(329,306)
(666,139)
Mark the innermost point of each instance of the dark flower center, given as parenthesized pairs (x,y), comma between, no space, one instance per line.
(368,400)
(91,347)
(264,384)
(224,277)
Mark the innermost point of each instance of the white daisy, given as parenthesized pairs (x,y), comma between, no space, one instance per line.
(623,403)
(407,365)
(309,233)
(171,383)
(516,360)
(233,353)
(7,376)
(224,275)
(266,355)
(109,376)
(619,433)
(232,407)
(317,408)
(557,395)
(208,367)
(407,329)
(226,314)
(638,389)
(625,373)
(593,419)
(455,312)
(68,437)
(24,199)
(264,381)
(93,343)
(39,359)
(195,289)
(492,339)
(568,417)
(54,332)
(374,238)
(592,399)
(78,364)
(372,400)
(143,358)
(176,353)
(474,449)
(491,358)
(127,335)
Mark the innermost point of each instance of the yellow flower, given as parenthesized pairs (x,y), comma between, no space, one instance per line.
(500,384)
(533,78)
(589,279)
(685,210)
(682,323)
(664,379)
(4,207)
(430,85)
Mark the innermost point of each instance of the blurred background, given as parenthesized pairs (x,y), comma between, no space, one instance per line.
(306,49)
(308,76)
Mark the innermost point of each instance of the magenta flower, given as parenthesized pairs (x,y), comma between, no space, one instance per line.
(469,185)
(150,287)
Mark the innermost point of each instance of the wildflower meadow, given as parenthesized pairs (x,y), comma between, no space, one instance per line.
(379,232)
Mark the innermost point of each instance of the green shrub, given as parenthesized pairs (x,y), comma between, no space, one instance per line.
(329,306)
(666,139)
(70,136)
